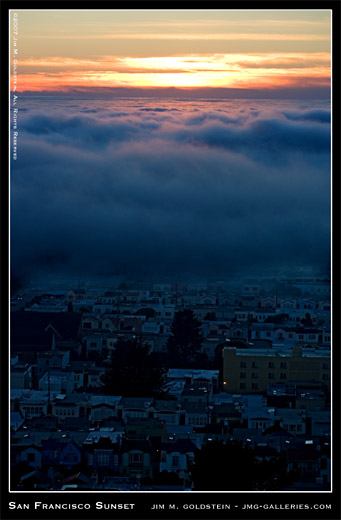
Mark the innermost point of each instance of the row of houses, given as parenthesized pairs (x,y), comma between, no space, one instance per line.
(139,439)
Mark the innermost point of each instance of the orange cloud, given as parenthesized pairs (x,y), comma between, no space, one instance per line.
(218,70)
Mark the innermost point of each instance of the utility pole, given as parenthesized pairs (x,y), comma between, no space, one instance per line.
(48,392)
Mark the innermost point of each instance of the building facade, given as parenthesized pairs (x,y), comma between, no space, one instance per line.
(252,370)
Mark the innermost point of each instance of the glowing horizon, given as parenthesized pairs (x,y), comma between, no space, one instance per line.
(295,55)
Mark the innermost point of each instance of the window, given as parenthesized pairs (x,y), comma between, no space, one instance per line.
(175,461)
(325,377)
(300,336)
(283,365)
(70,457)
(325,366)
(254,386)
(271,364)
(254,375)
(31,458)
(255,364)
(87,325)
(242,386)
(103,459)
(268,334)
(242,364)
(312,336)
(135,458)
(283,376)
(271,375)
(242,375)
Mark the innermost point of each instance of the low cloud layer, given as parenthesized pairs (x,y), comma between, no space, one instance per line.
(151,187)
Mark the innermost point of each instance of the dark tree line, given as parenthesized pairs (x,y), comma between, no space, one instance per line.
(134,371)
(231,466)
(185,342)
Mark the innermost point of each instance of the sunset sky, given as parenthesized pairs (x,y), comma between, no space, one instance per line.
(59,50)
(171,143)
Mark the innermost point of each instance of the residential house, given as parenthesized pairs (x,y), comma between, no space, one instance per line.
(177,457)
(22,452)
(239,331)
(134,407)
(168,411)
(137,458)
(70,454)
(21,376)
(30,403)
(194,377)
(57,381)
(102,451)
(90,322)
(103,406)
(197,413)
(294,421)
(52,359)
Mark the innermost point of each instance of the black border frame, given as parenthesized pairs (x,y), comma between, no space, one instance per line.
(143,501)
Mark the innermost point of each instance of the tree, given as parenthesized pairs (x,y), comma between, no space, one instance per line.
(184,343)
(134,371)
(234,467)
(224,467)
(147,312)
(307,321)
(217,362)
(210,316)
